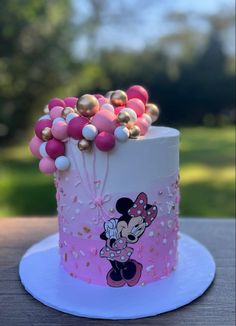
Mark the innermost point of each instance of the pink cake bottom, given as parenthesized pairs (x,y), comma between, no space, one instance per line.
(91,253)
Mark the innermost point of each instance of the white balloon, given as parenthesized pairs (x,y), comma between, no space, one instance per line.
(147,118)
(62,163)
(45,117)
(57,120)
(107,106)
(121,133)
(71,116)
(132,114)
(42,149)
(89,132)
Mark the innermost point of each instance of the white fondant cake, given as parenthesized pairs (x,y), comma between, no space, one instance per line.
(87,196)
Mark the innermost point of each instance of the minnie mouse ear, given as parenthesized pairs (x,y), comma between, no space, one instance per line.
(123,205)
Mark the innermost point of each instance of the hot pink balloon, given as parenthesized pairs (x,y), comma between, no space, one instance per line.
(137,105)
(59,130)
(102,100)
(56,102)
(34,146)
(105,141)
(75,127)
(71,101)
(105,120)
(55,148)
(118,109)
(47,165)
(137,91)
(40,125)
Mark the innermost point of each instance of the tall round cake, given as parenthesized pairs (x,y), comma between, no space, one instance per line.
(116,181)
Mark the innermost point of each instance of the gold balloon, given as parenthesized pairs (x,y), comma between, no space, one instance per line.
(118,98)
(134,132)
(123,117)
(153,111)
(84,145)
(87,105)
(66,111)
(46,133)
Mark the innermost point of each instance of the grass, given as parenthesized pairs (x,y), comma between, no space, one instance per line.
(207,177)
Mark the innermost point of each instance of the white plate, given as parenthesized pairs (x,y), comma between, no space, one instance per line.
(44,278)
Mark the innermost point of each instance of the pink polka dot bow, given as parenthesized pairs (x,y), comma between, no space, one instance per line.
(140,209)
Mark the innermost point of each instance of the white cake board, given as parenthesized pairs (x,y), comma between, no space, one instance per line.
(44,278)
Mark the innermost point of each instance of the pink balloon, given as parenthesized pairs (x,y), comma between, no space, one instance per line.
(105,120)
(56,112)
(40,125)
(102,100)
(34,146)
(55,148)
(143,125)
(71,101)
(56,102)
(47,165)
(98,96)
(105,141)
(59,130)
(75,127)
(137,105)
(137,91)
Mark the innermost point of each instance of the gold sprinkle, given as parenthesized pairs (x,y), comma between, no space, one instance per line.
(65,257)
(86,229)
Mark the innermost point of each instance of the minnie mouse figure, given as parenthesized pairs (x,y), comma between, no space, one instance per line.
(119,233)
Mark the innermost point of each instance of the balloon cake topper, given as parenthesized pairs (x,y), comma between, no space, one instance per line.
(91,120)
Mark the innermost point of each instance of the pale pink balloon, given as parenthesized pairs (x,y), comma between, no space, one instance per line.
(55,148)
(102,100)
(105,141)
(59,130)
(34,146)
(71,101)
(47,165)
(137,91)
(143,125)
(136,105)
(56,102)
(105,120)
(56,112)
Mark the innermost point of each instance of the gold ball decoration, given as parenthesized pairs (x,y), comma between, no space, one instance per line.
(87,105)
(134,132)
(46,133)
(153,111)
(84,145)
(123,117)
(118,98)
(66,111)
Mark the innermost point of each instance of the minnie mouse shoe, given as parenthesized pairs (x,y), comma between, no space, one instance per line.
(115,279)
(132,272)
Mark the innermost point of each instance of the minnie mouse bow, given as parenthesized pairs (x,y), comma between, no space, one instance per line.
(139,209)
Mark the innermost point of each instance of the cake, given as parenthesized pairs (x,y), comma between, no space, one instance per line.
(117,186)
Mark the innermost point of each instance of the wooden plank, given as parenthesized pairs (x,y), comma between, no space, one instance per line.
(215,307)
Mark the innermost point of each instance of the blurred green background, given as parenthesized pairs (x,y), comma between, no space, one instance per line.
(182,52)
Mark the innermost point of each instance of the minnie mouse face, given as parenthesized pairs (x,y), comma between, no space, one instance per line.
(129,227)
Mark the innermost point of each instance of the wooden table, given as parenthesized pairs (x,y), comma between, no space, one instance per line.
(215,307)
